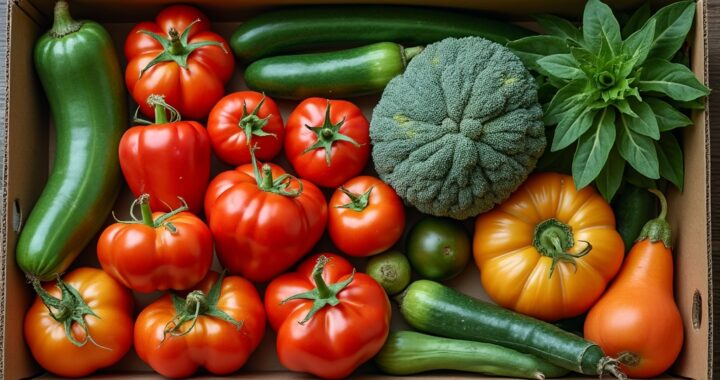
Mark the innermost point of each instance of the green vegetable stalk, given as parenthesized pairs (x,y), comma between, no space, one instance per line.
(617,91)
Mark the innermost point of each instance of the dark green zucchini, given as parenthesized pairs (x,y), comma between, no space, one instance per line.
(345,73)
(437,309)
(407,352)
(633,207)
(301,28)
(80,73)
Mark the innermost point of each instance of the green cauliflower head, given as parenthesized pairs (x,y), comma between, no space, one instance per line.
(460,130)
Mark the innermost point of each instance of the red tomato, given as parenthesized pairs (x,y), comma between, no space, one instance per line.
(221,324)
(163,251)
(350,327)
(179,57)
(243,120)
(167,160)
(327,141)
(104,340)
(365,217)
(263,226)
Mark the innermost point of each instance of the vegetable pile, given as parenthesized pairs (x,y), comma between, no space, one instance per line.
(457,139)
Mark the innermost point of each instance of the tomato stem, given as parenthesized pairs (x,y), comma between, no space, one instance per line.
(147,216)
(323,294)
(63,23)
(176,45)
(327,134)
(161,108)
(252,124)
(358,202)
(278,185)
(70,309)
(553,239)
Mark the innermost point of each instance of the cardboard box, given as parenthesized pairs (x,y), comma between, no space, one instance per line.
(27,145)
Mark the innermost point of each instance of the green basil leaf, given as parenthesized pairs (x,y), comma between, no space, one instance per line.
(667,116)
(646,122)
(573,94)
(599,24)
(671,79)
(559,27)
(670,158)
(593,149)
(530,49)
(583,56)
(610,178)
(572,126)
(673,24)
(638,45)
(623,105)
(561,66)
(637,20)
(695,104)
(637,150)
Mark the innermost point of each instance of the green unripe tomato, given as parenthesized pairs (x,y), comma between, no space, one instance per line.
(391,270)
(438,248)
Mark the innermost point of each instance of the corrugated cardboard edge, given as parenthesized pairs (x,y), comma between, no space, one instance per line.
(4,99)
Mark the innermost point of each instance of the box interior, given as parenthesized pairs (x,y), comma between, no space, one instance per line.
(30,154)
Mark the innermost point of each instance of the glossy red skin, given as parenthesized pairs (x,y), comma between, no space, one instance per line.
(228,139)
(337,339)
(346,160)
(147,259)
(167,161)
(260,234)
(213,344)
(113,328)
(373,230)
(193,90)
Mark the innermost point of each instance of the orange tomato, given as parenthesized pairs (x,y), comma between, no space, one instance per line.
(549,250)
(109,332)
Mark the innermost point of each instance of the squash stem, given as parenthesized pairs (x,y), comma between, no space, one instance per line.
(63,23)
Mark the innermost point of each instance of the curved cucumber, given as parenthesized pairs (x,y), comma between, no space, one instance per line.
(407,352)
(301,28)
(437,309)
(352,72)
(81,76)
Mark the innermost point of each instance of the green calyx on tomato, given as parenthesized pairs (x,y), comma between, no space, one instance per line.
(70,308)
(147,218)
(279,185)
(553,238)
(358,202)
(323,294)
(177,48)
(253,125)
(327,134)
(195,304)
(658,229)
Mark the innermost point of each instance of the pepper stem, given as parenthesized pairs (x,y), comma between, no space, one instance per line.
(553,239)
(147,216)
(63,23)
(161,108)
(658,229)
(323,294)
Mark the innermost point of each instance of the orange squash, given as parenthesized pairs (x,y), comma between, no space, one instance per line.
(549,250)
(637,320)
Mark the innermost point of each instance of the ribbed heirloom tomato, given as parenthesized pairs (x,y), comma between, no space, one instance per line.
(263,221)
(179,57)
(216,327)
(327,141)
(79,324)
(365,217)
(329,319)
(162,251)
(169,159)
(549,250)
(242,121)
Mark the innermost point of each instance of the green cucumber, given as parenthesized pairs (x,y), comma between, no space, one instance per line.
(437,309)
(301,28)
(633,207)
(80,73)
(352,72)
(407,352)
